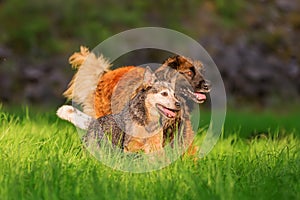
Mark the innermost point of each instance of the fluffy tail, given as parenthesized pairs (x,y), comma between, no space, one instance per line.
(83,85)
(76,117)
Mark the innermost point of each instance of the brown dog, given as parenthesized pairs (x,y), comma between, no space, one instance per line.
(102,91)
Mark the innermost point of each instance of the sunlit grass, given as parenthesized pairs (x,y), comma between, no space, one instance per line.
(41,157)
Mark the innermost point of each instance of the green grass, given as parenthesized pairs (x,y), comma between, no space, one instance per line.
(41,157)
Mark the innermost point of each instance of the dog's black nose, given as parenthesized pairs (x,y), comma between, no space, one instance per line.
(205,86)
(177,104)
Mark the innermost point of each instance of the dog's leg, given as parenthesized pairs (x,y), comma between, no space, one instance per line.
(188,138)
(76,117)
(134,145)
(155,143)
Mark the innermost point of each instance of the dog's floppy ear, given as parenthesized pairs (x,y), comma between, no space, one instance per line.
(173,62)
(149,77)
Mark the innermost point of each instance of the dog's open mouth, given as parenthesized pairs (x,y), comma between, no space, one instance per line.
(170,113)
(198,97)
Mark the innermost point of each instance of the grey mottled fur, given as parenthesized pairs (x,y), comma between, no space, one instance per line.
(113,126)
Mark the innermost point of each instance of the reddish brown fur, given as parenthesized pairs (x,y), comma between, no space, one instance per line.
(120,84)
(149,145)
(105,88)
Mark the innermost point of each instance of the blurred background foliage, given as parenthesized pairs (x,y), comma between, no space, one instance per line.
(255,44)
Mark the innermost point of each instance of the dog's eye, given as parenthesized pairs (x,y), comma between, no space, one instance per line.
(164,94)
(189,73)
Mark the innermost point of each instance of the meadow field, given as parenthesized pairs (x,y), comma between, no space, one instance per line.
(257,157)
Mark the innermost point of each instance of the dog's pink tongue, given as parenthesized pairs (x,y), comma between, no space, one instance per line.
(200,96)
(169,113)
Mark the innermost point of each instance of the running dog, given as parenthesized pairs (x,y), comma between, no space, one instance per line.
(102,91)
(139,125)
